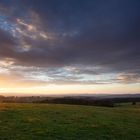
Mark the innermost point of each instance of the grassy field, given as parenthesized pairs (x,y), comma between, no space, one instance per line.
(68,122)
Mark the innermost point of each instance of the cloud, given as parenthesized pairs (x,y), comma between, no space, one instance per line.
(93,37)
(128,78)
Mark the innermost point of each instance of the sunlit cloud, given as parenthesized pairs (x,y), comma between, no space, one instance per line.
(30,30)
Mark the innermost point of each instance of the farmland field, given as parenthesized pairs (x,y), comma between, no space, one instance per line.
(68,122)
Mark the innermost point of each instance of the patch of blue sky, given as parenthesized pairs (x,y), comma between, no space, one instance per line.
(6,25)
(100,77)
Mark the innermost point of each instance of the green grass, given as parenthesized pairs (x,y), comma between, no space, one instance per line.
(68,122)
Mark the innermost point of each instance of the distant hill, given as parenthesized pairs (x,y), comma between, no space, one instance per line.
(94,99)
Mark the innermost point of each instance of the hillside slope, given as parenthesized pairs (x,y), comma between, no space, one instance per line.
(68,122)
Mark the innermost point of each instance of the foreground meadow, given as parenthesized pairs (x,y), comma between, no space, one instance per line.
(68,122)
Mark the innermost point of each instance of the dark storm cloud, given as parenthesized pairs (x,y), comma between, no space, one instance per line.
(6,44)
(89,33)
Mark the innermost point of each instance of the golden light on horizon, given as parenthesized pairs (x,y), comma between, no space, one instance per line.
(21,89)
(24,83)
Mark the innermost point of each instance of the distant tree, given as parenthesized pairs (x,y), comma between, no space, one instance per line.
(133,103)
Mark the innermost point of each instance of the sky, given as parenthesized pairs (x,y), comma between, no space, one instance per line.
(69,47)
